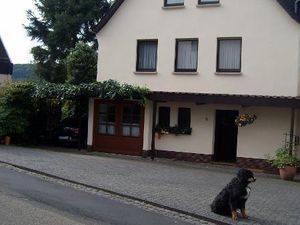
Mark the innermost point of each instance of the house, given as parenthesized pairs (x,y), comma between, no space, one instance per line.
(206,62)
(6,67)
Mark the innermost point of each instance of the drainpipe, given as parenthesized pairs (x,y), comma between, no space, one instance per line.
(296,6)
(292,131)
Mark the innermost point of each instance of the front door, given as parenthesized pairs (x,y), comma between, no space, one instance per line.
(225,136)
(118,127)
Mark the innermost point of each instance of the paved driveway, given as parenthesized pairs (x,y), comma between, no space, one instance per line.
(185,186)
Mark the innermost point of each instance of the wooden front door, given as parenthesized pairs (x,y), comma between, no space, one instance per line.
(226,133)
(118,127)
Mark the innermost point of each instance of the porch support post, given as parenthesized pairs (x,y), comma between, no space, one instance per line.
(153,130)
(292,131)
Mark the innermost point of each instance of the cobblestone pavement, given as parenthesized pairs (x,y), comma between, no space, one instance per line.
(186,186)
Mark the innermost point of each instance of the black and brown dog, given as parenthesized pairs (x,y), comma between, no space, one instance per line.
(234,196)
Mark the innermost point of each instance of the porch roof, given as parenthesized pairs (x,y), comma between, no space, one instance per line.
(227,99)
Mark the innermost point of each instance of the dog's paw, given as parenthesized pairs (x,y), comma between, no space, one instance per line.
(234,215)
(244,215)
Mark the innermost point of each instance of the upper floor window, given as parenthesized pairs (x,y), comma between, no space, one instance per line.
(229,55)
(146,55)
(174,2)
(186,55)
(203,2)
(184,117)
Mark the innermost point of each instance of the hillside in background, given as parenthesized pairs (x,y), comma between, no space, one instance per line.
(22,71)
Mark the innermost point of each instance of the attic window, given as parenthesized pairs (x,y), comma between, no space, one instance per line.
(173,3)
(206,2)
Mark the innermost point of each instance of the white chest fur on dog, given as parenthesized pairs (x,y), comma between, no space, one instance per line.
(248,189)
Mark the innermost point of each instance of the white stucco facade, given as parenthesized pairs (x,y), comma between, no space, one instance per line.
(269,66)
(270,46)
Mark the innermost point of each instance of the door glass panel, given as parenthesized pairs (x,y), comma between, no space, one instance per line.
(102,129)
(135,131)
(131,120)
(107,119)
(126,130)
(111,129)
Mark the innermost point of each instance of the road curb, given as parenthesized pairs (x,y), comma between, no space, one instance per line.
(194,215)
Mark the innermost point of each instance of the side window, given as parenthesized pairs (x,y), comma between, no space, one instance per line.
(164,116)
(107,119)
(173,2)
(184,117)
(203,2)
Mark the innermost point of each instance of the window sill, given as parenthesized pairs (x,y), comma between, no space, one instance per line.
(229,73)
(208,5)
(145,73)
(173,7)
(185,73)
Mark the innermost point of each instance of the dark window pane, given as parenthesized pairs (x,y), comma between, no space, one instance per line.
(102,118)
(184,117)
(164,116)
(102,108)
(111,118)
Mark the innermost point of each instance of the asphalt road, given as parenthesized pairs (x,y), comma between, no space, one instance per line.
(26,199)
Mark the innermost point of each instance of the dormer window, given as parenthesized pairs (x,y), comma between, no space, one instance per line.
(205,2)
(174,3)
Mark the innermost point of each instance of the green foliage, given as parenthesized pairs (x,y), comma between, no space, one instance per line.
(283,159)
(15,108)
(58,25)
(82,64)
(109,89)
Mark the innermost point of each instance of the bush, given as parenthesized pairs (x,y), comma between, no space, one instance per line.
(283,159)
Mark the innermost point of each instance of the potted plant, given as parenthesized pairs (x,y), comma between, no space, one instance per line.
(285,162)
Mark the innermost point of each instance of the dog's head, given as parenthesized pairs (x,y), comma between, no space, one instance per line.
(246,176)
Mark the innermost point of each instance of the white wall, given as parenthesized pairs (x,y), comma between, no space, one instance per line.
(270,51)
(262,137)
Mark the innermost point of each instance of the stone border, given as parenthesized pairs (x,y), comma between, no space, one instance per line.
(257,164)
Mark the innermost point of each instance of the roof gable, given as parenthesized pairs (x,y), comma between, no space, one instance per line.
(288,5)
(3,54)
(292,7)
(6,67)
(113,9)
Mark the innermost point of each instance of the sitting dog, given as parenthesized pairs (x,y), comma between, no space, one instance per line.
(234,195)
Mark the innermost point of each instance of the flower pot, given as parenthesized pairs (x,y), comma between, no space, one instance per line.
(7,140)
(288,172)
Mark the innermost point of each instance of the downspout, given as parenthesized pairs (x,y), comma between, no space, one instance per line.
(296,6)
(291,144)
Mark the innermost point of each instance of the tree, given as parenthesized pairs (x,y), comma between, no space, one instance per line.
(59,25)
(82,64)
